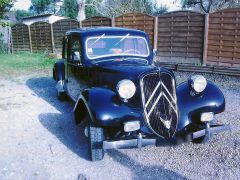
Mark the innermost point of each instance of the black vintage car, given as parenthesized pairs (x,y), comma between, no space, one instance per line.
(124,100)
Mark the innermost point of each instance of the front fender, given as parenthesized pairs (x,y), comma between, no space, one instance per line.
(106,108)
(212,100)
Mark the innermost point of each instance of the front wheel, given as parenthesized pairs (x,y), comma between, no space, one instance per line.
(95,142)
(199,140)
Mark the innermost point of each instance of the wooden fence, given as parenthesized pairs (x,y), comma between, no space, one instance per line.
(97,21)
(41,36)
(20,38)
(139,21)
(224,38)
(180,37)
(59,29)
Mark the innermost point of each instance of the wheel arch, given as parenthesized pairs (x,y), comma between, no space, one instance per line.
(81,109)
(59,71)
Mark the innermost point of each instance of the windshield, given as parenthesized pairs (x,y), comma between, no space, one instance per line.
(107,46)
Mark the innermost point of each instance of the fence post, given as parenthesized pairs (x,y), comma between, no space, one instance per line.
(11,39)
(52,38)
(155,33)
(113,22)
(80,24)
(30,38)
(205,45)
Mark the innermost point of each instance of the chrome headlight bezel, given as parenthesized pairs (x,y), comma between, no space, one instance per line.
(126,89)
(197,83)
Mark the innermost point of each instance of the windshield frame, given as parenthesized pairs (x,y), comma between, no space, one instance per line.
(116,55)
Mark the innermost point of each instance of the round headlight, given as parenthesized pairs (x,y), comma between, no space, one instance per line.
(126,89)
(198,83)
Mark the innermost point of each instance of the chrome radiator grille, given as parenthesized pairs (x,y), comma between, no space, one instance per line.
(160,103)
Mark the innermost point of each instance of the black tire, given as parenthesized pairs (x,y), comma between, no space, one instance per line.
(95,141)
(199,140)
(53,75)
(62,96)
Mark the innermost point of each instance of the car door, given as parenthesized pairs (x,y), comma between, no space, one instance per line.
(75,68)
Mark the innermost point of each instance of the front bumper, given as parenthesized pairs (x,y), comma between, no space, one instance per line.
(138,142)
(141,142)
(210,130)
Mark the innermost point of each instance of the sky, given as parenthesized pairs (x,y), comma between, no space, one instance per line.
(171,4)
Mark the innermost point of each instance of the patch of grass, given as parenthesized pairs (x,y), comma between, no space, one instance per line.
(25,63)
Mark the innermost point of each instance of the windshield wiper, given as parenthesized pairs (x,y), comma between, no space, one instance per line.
(122,39)
(98,39)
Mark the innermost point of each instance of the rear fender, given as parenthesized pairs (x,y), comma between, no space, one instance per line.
(59,71)
(212,100)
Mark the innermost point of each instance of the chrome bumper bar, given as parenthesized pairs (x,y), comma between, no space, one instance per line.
(139,142)
(209,131)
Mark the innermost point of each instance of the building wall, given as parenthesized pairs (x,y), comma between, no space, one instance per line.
(49,19)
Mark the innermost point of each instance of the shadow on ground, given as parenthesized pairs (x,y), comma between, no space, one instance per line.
(61,124)
(141,171)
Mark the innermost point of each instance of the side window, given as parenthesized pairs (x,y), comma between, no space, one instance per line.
(75,49)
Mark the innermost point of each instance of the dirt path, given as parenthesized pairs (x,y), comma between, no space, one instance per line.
(39,140)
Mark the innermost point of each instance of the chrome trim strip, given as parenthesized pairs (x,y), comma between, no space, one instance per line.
(170,103)
(128,143)
(154,105)
(168,92)
(60,86)
(153,93)
(86,104)
(111,36)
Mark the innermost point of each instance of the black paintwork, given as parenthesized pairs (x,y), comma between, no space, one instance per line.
(94,86)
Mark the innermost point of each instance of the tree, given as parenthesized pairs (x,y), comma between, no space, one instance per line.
(209,5)
(113,8)
(70,8)
(19,14)
(74,9)
(90,8)
(81,10)
(5,6)
(40,6)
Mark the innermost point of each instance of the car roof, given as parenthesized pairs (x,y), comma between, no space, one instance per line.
(107,30)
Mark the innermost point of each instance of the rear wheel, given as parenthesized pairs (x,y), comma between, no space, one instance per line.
(95,141)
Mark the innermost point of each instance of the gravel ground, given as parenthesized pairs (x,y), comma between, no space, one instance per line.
(39,140)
